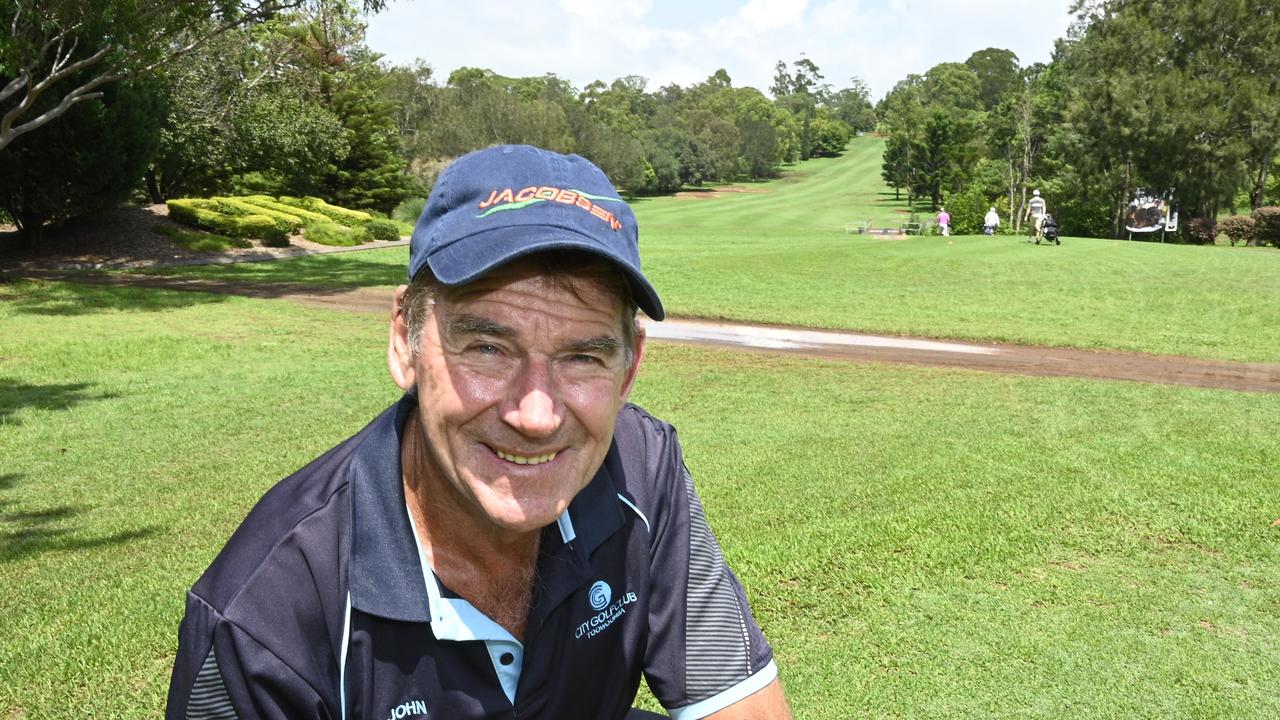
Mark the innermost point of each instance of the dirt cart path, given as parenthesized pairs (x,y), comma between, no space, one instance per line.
(991,357)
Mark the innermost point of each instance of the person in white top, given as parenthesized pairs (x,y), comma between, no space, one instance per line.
(1037,209)
(990,222)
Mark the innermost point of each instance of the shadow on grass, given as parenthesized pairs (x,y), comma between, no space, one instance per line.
(90,293)
(86,293)
(8,480)
(38,532)
(33,532)
(378,267)
(16,395)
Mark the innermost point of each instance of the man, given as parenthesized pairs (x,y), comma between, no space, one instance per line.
(944,222)
(511,538)
(1036,209)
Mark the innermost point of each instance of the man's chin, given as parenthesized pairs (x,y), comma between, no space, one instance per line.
(514,516)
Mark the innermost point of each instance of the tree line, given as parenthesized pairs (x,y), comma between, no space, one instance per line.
(103,100)
(1176,97)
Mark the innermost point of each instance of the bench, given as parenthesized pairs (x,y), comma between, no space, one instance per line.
(910,228)
(861,227)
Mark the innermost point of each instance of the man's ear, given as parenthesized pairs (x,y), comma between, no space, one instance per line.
(399,352)
(637,355)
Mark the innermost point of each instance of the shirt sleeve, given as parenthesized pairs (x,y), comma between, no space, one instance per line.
(705,649)
(222,673)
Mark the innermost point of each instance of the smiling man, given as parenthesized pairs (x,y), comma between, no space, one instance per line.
(511,539)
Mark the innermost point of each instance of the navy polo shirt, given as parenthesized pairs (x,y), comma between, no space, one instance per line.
(321,605)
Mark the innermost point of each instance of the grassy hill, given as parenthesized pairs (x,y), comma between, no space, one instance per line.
(819,194)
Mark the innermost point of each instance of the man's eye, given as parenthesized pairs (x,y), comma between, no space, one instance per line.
(582,359)
(485,349)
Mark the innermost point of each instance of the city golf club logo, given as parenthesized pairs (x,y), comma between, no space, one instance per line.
(600,595)
(606,610)
(509,199)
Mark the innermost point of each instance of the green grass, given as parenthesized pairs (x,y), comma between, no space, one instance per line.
(779,254)
(199,240)
(916,542)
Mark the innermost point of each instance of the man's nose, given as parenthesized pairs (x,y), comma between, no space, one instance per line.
(532,407)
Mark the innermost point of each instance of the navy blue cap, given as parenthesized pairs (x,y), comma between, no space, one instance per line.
(501,203)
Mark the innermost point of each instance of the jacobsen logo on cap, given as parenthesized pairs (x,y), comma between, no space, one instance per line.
(508,199)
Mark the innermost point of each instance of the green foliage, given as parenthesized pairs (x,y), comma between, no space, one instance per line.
(329,233)
(1238,229)
(409,210)
(89,160)
(211,215)
(286,209)
(383,230)
(286,223)
(197,241)
(967,209)
(341,215)
(998,74)
(1266,225)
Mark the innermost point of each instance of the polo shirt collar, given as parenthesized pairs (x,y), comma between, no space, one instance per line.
(385,574)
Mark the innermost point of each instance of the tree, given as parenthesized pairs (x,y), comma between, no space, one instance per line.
(64,52)
(1175,96)
(86,162)
(997,72)
(852,106)
(239,109)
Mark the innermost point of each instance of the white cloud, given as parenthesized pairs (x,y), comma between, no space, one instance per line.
(667,41)
(771,14)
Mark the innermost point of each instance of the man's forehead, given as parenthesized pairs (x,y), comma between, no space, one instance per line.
(535,283)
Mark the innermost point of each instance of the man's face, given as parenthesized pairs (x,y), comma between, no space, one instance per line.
(520,381)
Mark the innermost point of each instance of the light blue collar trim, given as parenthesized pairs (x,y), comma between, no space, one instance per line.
(567,532)
(457,620)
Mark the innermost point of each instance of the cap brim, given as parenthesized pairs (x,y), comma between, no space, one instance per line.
(468,258)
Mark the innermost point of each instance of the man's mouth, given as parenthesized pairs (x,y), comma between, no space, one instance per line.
(526,459)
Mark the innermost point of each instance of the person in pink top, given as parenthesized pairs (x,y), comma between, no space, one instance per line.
(944,221)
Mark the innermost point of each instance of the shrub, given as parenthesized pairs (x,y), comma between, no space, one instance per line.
(333,212)
(1237,228)
(386,230)
(967,208)
(284,222)
(1266,229)
(1200,231)
(409,210)
(208,215)
(331,233)
(270,203)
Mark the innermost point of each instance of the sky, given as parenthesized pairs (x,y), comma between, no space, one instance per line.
(685,41)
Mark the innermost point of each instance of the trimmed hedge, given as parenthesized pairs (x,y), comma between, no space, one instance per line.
(331,233)
(1200,231)
(270,203)
(285,222)
(340,215)
(1237,228)
(1266,229)
(385,230)
(207,215)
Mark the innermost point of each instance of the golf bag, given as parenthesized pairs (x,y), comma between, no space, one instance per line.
(1049,231)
